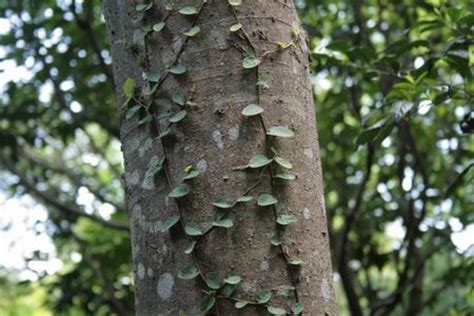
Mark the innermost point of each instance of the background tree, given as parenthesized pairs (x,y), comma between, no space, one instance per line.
(58,131)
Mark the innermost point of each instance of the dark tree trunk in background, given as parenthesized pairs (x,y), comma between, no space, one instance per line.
(217,140)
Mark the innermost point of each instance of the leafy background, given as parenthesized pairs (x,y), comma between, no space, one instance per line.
(393,89)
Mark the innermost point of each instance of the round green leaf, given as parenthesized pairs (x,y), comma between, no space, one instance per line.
(285,175)
(179,191)
(178,97)
(280,131)
(193,229)
(295,261)
(275,241)
(128,87)
(170,222)
(224,223)
(259,161)
(213,282)
(221,202)
(178,116)
(283,162)
(143,6)
(276,310)
(178,69)
(228,290)
(250,62)
(192,31)
(286,219)
(188,10)
(251,110)
(235,2)
(153,76)
(263,297)
(158,26)
(192,174)
(190,248)
(240,304)
(235,27)
(297,308)
(244,198)
(132,111)
(266,199)
(188,273)
(233,279)
(207,303)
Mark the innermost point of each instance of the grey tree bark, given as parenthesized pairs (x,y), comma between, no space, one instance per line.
(218,141)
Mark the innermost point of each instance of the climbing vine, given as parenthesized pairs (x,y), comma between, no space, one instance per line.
(269,162)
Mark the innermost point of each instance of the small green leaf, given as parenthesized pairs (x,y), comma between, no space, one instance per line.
(164,133)
(193,229)
(192,31)
(285,175)
(251,110)
(297,308)
(283,162)
(153,76)
(128,87)
(250,62)
(188,10)
(143,6)
(222,202)
(235,27)
(207,303)
(179,191)
(275,241)
(286,219)
(189,249)
(146,119)
(132,111)
(241,304)
(295,261)
(191,174)
(266,199)
(244,198)
(259,161)
(235,3)
(178,97)
(276,310)
(263,297)
(188,273)
(264,81)
(178,116)
(233,279)
(224,223)
(213,282)
(158,26)
(170,222)
(228,290)
(178,69)
(155,165)
(280,131)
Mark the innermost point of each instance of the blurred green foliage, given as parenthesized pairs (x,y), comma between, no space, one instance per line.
(394,91)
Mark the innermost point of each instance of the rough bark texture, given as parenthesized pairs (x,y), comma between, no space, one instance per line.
(215,138)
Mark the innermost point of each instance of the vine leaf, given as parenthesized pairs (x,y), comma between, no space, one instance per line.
(153,76)
(178,97)
(295,261)
(235,27)
(233,279)
(158,26)
(263,297)
(259,161)
(179,191)
(235,3)
(208,303)
(155,165)
(228,290)
(188,10)
(266,199)
(244,198)
(285,163)
(178,69)
(188,273)
(280,131)
(168,223)
(286,219)
(193,229)
(191,174)
(285,175)
(192,31)
(190,248)
(251,110)
(250,62)
(264,81)
(143,6)
(164,133)
(178,116)
(224,223)
(128,87)
(297,308)
(275,241)
(221,202)
(132,111)
(213,282)
(276,310)
(241,304)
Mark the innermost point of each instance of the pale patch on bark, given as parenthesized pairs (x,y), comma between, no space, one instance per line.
(249,287)
(217,137)
(308,152)
(149,272)
(326,290)
(306,213)
(132,178)
(140,271)
(202,166)
(165,286)
(233,132)
(264,265)
(145,147)
(148,183)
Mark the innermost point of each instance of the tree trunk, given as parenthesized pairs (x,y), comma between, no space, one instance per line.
(222,65)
